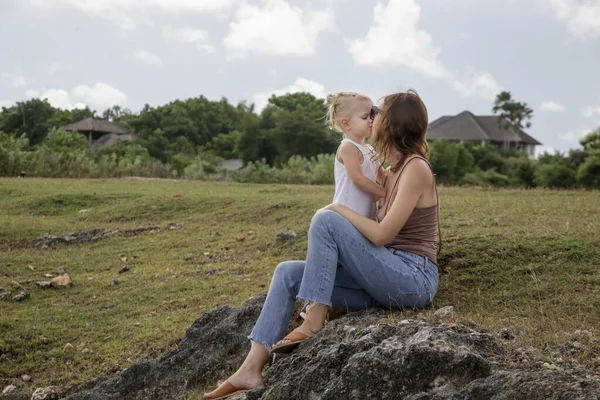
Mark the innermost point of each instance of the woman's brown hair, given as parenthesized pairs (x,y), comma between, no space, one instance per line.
(402,126)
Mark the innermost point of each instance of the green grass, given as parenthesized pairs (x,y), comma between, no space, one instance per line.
(521,259)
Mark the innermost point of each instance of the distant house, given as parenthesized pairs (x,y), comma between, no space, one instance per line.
(484,130)
(100,132)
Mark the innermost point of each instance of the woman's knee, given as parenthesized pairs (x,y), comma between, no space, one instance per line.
(323,219)
(289,272)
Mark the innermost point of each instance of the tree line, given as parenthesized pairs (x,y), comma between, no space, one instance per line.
(287,142)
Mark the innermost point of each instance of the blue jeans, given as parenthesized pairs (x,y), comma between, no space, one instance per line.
(343,268)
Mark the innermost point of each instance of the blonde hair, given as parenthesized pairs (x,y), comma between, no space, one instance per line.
(339,106)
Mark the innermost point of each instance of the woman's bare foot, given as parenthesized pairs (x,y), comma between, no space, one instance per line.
(248,376)
(241,380)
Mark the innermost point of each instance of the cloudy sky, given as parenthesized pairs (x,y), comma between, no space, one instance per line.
(458,54)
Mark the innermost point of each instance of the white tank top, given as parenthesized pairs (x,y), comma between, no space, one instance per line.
(346,192)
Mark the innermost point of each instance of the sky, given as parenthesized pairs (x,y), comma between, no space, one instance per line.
(457,54)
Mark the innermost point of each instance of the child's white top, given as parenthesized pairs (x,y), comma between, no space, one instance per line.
(346,192)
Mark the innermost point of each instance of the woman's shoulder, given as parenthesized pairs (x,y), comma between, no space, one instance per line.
(419,168)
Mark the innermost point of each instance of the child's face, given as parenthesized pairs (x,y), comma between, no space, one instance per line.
(359,122)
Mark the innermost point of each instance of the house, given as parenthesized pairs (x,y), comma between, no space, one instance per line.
(100,132)
(484,130)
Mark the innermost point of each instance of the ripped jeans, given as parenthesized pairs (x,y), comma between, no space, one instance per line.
(343,268)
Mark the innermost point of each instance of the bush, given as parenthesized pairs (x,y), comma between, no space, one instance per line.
(588,174)
(486,178)
(555,176)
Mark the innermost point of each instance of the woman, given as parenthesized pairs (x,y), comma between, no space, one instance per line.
(353,261)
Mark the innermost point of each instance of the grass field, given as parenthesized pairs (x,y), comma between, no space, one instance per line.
(529,260)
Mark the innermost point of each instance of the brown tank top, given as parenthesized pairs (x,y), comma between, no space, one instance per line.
(419,233)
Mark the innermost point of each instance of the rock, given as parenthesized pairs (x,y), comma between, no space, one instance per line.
(26,378)
(550,367)
(212,345)
(240,238)
(5,296)
(46,393)
(17,286)
(21,296)
(48,275)
(353,357)
(115,282)
(444,312)
(61,270)
(63,280)
(507,334)
(68,347)
(124,268)
(44,284)
(285,236)
(30,267)
(9,389)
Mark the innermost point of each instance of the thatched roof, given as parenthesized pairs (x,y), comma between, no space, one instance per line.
(466,126)
(94,124)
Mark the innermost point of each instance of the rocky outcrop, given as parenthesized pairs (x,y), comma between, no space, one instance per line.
(212,346)
(365,355)
(410,359)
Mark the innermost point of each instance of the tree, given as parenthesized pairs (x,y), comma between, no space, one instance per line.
(591,140)
(514,115)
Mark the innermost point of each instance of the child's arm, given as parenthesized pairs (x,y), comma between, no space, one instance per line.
(350,156)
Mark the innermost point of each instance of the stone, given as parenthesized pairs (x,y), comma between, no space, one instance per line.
(285,236)
(46,393)
(26,378)
(61,270)
(355,356)
(62,281)
(5,296)
(21,296)
(68,347)
(17,286)
(8,389)
(30,267)
(44,284)
(507,334)
(444,312)
(124,268)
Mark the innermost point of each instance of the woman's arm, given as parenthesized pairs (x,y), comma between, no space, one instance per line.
(415,179)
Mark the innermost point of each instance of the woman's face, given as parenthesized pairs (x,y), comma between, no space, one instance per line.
(375,116)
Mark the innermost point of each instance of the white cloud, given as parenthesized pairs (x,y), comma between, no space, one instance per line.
(572,136)
(100,95)
(59,66)
(57,97)
(395,40)
(539,150)
(6,103)
(276,28)
(300,85)
(591,111)
(473,83)
(148,59)
(128,13)
(582,17)
(551,106)
(197,37)
(13,79)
